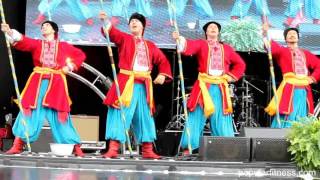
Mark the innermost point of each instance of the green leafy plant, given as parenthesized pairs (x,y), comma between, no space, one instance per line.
(304,138)
(243,35)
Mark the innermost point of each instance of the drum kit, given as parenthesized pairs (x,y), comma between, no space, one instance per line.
(246,111)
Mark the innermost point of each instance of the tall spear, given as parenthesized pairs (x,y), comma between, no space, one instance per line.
(15,81)
(125,9)
(185,110)
(114,73)
(170,12)
(271,67)
(48,8)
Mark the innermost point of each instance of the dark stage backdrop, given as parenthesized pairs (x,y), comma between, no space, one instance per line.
(15,15)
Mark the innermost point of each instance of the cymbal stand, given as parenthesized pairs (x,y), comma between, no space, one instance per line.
(246,118)
(244,103)
(251,121)
(177,122)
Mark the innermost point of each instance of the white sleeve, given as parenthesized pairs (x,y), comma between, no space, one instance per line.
(266,42)
(107,25)
(14,37)
(182,44)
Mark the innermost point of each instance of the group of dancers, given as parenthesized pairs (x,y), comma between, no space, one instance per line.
(46,96)
(297,11)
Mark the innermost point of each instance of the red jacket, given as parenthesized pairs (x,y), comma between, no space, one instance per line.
(283,57)
(57,96)
(233,66)
(127,50)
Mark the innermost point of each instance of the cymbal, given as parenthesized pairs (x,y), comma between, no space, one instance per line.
(249,76)
(180,97)
(189,87)
(245,97)
(253,78)
(178,77)
(242,88)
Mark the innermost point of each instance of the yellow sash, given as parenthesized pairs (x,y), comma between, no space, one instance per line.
(290,78)
(127,93)
(207,101)
(47,71)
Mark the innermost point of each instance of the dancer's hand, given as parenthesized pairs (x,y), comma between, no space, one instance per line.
(266,42)
(159,79)
(265,28)
(6,28)
(175,35)
(65,69)
(310,80)
(229,78)
(180,40)
(103,16)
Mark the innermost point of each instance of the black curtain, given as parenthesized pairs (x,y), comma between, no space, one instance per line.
(15,11)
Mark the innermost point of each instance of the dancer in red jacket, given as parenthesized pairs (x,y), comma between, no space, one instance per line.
(45,96)
(137,57)
(300,68)
(218,64)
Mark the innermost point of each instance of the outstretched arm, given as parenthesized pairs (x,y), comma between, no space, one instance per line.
(18,40)
(181,41)
(115,35)
(12,35)
(268,43)
(186,47)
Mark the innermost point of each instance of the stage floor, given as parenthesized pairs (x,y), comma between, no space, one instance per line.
(45,166)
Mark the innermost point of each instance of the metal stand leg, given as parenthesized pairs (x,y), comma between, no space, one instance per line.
(177,122)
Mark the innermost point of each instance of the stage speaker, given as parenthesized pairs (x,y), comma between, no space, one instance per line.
(167,143)
(270,149)
(268,144)
(224,149)
(260,132)
(42,144)
(87,127)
